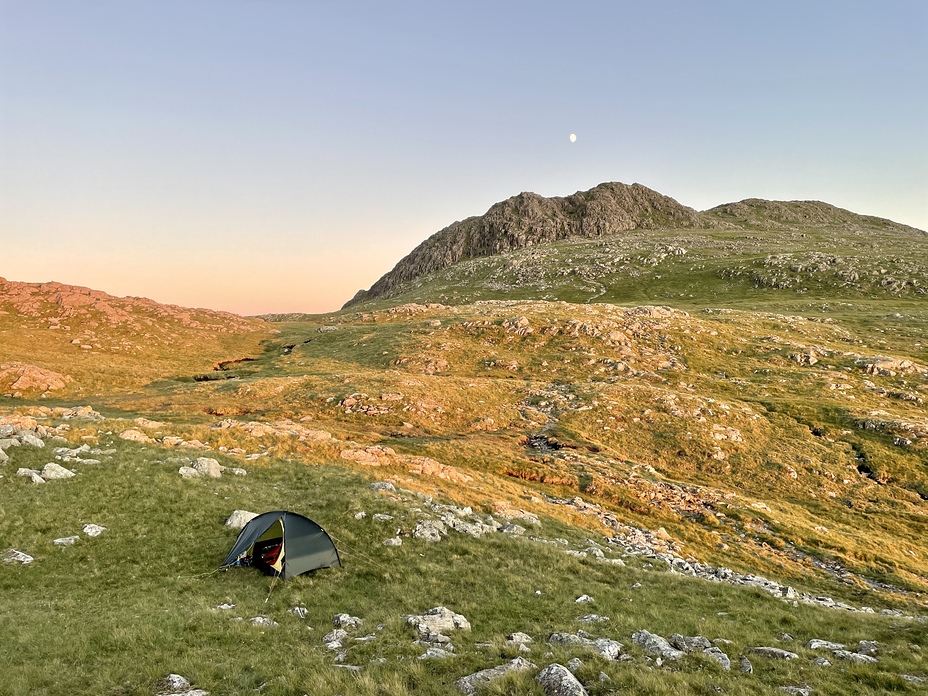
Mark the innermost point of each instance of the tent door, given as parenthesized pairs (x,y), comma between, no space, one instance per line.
(268,550)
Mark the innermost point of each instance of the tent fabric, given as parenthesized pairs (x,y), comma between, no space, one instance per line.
(304,545)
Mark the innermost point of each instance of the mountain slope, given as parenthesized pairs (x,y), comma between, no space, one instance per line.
(529,219)
(627,244)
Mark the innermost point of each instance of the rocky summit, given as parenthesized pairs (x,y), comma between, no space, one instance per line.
(600,444)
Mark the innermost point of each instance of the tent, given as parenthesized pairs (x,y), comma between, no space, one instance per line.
(284,544)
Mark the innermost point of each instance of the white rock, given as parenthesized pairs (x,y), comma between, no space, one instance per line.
(817,644)
(207,467)
(435,654)
(14,556)
(175,682)
(583,599)
(188,472)
(52,471)
(854,657)
(518,638)
(346,621)
(66,541)
(556,680)
(299,612)
(93,530)
(263,621)
(468,685)
(394,541)
(239,518)
(30,439)
(437,621)
(31,474)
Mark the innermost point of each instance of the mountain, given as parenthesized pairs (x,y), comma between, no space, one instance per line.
(616,235)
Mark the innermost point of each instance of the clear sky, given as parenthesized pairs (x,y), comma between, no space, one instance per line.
(278,155)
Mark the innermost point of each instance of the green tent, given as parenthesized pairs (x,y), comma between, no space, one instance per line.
(284,544)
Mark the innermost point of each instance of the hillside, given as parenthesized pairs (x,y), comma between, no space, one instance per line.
(628,244)
(68,340)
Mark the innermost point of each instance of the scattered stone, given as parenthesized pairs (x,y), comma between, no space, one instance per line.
(608,648)
(518,638)
(821,662)
(393,541)
(335,638)
(381,517)
(133,435)
(804,690)
(66,541)
(513,529)
(468,685)
(435,654)
(52,471)
(689,644)
(656,645)
(206,466)
(718,656)
(346,621)
(867,647)
(557,680)
(239,518)
(30,439)
(188,472)
(263,621)
(174,682)
(817,644)
(857,658)
(773,653)
(583,599)
(435,622)
(93,530)
(14,556)
(744,664)
(360,515)
(574,664)
(31,474)
(299,612)
(593,618)
(225,606)
(383,486)
(429,530)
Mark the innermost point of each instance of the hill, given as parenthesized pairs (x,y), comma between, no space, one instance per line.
(71,340)
(628,244)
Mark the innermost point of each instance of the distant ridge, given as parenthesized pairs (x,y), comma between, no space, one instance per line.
(529,219)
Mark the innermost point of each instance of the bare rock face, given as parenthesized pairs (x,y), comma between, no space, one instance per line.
(529,219)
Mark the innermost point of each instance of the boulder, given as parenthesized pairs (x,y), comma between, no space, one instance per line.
(867,647)
(188,472)
(207,467)
(689,644)
(656,645)
(817,644)
(239,518)
(52,471)
(608,648)
(30,439)
(468,685)
(518,638)
(436,622)
(435,654)
(556,680)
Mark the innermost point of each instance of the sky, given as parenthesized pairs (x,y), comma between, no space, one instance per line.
(278,155)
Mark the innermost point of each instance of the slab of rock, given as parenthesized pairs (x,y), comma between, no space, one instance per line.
(690,644)
(30,439)
(857,658)
(52,471)
(608,648)
(773,653)
(436,622)
(468,685)
(14,556)
(30,474)
(66,541)
(656,645)
(239,518)
(435,654)
(817,644)
(556,680)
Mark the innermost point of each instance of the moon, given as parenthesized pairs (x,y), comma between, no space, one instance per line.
(573,137)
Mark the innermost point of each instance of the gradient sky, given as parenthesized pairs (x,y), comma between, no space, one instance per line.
(272,156)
